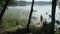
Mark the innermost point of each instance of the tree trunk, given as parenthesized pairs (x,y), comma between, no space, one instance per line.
(3,11)
(53,15)
(30,16)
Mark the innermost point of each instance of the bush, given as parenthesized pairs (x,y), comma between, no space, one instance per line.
(11,21)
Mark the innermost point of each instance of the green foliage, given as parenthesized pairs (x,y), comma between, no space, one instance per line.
(35,30)
(3,2)
(12,21)
(23,22)
(11,2)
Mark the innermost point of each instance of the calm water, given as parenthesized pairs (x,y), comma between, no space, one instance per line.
(40,10)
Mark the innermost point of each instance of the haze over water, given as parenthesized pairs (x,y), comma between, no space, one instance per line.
(40,10)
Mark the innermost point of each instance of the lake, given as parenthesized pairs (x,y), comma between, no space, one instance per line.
(40,10)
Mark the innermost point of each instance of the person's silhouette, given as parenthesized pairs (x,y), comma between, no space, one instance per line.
(41,18)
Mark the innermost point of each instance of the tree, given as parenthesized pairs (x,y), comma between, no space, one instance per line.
(1,14)
(3,5)
(10,3)
(30,16)
(53,15)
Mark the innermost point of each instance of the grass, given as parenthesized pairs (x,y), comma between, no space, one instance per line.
(11,21)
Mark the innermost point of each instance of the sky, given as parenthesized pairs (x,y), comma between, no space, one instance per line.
(35,0)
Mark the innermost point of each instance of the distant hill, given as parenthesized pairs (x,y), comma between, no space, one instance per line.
(39,3)
(24,3)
